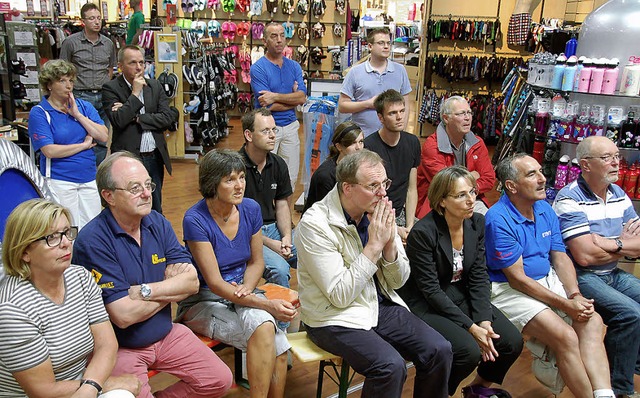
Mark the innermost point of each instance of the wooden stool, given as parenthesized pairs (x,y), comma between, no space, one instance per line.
(306,351)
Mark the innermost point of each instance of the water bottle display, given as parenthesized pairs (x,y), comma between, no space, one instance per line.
(610,76)
(569,75)
(558,72)
(561,172)
(574,171)
(585,76)
(571,46)
(597,75)
(630,82)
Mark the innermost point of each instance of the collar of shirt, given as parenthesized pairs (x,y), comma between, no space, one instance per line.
(84,37)
(515,214)
(362,227)
(250,164)
(589,193)
(390,67)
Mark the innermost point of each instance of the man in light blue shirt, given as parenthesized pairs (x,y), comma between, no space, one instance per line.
(365,81)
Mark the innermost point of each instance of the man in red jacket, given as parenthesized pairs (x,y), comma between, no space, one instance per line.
(453,143)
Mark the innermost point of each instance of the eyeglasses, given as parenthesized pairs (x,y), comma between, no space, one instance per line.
(92,19)
(463,114)
(383,43)
(464,195)
(606,158)
(55,238)
(376,187)
(137,189)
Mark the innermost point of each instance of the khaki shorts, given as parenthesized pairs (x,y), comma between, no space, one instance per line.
(230,323)
(520,308)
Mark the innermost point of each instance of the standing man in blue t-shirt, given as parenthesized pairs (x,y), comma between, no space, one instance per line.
(134,256)
(600,226)
(522,242)
(278,85)
(365,81)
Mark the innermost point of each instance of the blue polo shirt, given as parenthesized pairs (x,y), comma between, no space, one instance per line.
(64,129)
(117,262)
(363,83)
(581,212)
(265,75)
(509,235)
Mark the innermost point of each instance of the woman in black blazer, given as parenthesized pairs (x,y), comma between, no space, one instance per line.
(449,286)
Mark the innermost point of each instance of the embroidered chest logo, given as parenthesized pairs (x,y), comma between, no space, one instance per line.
(274,186)
(546,233)
(157,260)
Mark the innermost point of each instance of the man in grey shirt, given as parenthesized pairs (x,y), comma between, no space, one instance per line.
(94,56)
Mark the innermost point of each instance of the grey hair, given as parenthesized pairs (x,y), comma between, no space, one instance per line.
(583,150)
(128,47)
(447,106)
(505,170)
(347,169)
(104,177)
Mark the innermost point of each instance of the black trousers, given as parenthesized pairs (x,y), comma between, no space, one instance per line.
(379,354)
(155,167)
(466,351)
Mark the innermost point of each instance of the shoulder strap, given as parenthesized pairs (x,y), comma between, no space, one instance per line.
(47,167)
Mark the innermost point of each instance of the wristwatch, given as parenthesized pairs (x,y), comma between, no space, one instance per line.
(145,291)
(619,243)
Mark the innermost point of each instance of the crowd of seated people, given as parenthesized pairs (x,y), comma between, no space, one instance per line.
(457,295)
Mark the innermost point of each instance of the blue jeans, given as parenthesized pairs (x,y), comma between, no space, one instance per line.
(617,300)
(95,99)
(276,268)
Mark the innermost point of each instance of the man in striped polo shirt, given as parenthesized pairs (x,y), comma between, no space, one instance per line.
(599,227)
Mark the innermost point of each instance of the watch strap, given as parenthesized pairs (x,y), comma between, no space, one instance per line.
(91,383)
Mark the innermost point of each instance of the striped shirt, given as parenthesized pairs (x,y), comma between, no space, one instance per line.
(35,329)
(581,212)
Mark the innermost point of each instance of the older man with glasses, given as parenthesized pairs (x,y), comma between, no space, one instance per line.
(367,80)
(94,56)
(600,227)
(453,143)
(137,261)
(350,261)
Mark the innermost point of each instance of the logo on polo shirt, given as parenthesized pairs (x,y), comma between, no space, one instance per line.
(97,276)
(501,255)
(274,185)
(157,260)
(546,233)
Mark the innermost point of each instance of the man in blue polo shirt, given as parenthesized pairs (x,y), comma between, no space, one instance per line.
(367,80)
(278,85)
(534,283)
(600,226)
(136,260)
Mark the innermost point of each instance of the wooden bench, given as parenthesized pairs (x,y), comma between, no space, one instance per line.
(306,351)
(271,291)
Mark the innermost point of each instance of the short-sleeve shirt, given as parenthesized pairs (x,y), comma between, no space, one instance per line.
(398,162)
(63,129)
(231,254)
(35,329)
(267,187)
(265,75)
(117,262)
(581,212)
(363,83)
(322,181)
(509,235)
(93,60)
(136,20)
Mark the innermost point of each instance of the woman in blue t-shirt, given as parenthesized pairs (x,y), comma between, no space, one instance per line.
(223,233)
(63,129)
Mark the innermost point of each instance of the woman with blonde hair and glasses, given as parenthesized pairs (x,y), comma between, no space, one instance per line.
(56,339)
(63,129)
(449,285)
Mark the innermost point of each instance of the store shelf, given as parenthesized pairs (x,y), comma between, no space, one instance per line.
(535,87)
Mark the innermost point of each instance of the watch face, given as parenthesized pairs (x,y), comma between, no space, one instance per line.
(145,291)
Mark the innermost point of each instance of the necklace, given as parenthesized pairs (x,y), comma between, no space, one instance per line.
(225,219)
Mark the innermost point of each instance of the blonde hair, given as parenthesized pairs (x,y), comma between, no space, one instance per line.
(54,70)
(444,182)
(28,222)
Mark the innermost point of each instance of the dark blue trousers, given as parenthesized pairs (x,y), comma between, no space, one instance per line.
(379,354)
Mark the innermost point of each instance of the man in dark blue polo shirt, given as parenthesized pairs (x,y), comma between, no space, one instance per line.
(534,283)
(141,267)
(268,183)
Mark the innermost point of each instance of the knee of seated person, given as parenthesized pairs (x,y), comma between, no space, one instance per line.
(393,365)
(215,384)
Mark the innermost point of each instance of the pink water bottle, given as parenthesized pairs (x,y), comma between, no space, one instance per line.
(585,76)
(611,76)
(574,171)
(561,172)
(597,76)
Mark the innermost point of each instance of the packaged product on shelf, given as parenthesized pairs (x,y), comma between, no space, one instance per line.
(574,171)
(611,76)
(569,76)
(585,76)
(558,72)
(614,119)
(628,133)
(597,75)
(630,82)
(561,172)
(579,68)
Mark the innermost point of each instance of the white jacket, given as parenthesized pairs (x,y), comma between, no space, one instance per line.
(335,280)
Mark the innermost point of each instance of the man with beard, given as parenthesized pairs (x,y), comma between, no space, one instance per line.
(350,261)
(600,226)
(534,283)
